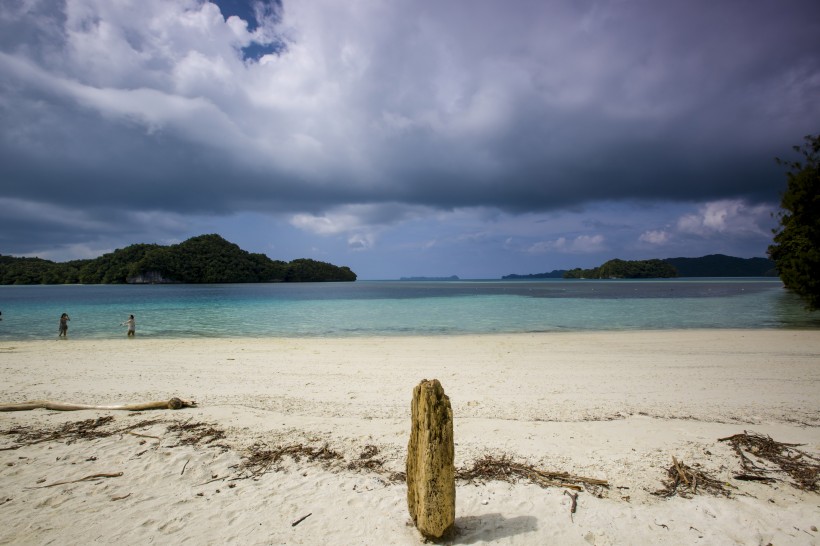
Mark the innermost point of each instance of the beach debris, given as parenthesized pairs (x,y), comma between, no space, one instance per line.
(431,486)
(173,403)
(753,478)
(198,433)
(213,479)
(367,460)
(87,478)
(802,468)
(131,432)
(300,520)
(573,504)
(86,429)
(685,481)
(90,429)
(262,458)
(505,468)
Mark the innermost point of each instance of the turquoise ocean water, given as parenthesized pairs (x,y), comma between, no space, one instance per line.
(399,308)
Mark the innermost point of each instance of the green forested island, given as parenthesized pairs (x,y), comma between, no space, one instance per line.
(202,259)
(714,265)
(625,269)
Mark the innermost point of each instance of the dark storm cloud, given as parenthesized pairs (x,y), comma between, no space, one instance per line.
(155,106)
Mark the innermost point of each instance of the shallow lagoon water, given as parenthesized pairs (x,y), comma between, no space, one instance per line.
(374,308)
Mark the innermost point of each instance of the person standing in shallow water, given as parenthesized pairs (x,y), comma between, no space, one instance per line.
(64,325)
(132,325)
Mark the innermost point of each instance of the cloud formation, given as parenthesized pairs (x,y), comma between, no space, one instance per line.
(726,217)
(349,121)
(581,244)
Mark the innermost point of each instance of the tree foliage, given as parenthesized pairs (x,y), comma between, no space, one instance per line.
(32,271)
(306,270)
(113,267)
(796,248)
(625,269)
(202,259)
(208,259)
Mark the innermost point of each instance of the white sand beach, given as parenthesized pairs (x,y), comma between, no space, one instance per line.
(614,406)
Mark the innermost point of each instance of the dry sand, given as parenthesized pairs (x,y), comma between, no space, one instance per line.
(615,406)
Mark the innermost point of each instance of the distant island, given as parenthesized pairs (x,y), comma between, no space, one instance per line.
(554,274)
(719,265)
(202,259)
(450,278)
(713,265)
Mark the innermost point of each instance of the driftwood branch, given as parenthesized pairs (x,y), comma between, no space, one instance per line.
(173,403)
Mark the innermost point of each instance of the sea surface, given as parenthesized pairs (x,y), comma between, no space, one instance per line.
(396,308)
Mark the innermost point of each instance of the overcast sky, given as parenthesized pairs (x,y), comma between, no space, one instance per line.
(404,137)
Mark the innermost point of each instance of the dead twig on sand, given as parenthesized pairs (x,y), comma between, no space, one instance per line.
(216,479)
(300,520)
(91,477)
(574,504)
(802,468)
(131,432)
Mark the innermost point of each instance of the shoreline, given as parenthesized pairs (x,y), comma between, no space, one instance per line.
(154,337)
(607,405)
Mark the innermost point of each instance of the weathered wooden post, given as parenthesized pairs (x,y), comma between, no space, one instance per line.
(431,485)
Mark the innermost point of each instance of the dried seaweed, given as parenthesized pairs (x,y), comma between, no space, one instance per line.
(367,460)
(685,481)
(802,468)
(505,468)
(88,429)
(262,458)
(192,434)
